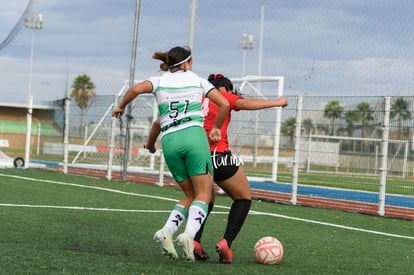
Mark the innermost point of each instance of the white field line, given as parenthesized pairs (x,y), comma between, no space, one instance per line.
(90,208)
(167,211)
(333,225)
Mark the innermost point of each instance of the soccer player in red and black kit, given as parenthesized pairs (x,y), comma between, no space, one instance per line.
(228,173)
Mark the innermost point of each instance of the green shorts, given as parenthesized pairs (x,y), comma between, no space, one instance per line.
(187,153)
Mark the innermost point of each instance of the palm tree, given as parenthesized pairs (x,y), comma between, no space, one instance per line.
(333,110)
(288,129)
(308,126)
(351,117)
(365,116)
(322,129)
(400,109)
(83,91)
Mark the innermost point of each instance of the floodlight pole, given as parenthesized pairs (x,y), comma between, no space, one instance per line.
(259,84)
(131,83)
(262,10)
(246,43)
(192,25)
(35,22)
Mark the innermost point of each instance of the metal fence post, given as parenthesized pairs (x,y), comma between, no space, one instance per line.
(276,140)
(384,156)
(66,136)
(39,126)
(296,150)
(112,143)
(161,175)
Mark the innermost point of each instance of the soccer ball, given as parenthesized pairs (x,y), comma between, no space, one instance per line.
(268,250)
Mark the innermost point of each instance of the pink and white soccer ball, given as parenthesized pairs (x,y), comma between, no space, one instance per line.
(268,250)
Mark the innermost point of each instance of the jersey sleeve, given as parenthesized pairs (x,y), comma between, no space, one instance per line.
(206,85)
(232,98)
(154,81)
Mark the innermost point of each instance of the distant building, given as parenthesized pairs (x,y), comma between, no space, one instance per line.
(13,123)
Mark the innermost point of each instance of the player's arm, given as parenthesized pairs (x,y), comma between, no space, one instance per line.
(257,104)
(224,108)
(131,94)
(153,135)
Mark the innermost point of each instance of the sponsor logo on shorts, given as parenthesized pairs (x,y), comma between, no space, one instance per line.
(225,160)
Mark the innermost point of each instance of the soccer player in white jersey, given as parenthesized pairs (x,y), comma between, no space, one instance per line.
(179,93)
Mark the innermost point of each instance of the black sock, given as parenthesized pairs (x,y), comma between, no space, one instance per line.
(200,231)
(238,213)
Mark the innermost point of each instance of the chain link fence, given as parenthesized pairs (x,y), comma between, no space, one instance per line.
(334,142)
(321,49)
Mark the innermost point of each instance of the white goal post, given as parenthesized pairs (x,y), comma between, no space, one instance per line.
(253,86)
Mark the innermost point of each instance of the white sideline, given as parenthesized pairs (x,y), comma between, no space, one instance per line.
(170,199)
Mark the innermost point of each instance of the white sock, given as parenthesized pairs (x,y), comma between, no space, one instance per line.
(196,216)
(177,216)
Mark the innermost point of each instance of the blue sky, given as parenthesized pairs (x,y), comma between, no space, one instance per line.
(321,47)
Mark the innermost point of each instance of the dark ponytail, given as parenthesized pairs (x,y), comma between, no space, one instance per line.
(219,80)
(173,58)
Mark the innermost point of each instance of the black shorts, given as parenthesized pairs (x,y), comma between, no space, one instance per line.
(225,165)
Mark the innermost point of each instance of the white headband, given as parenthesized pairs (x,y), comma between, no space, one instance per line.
(181,62)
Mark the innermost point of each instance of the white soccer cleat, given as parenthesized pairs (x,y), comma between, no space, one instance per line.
(187,245)
(166,243)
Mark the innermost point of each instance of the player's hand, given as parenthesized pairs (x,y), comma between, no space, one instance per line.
(283,101)
(214,135)
(118,112)
(150,148)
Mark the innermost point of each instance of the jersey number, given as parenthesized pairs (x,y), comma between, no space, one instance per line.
(175,110)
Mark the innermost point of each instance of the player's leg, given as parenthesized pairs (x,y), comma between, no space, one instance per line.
(199,252)
(200,171)
(238,188)
(199,168)
(179,213)
(177,217)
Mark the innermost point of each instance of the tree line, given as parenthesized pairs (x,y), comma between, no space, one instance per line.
(361,117)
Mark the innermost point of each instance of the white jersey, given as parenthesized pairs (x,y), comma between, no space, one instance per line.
(179,97)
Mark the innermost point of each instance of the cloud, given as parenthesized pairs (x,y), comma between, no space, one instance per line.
(321,47)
